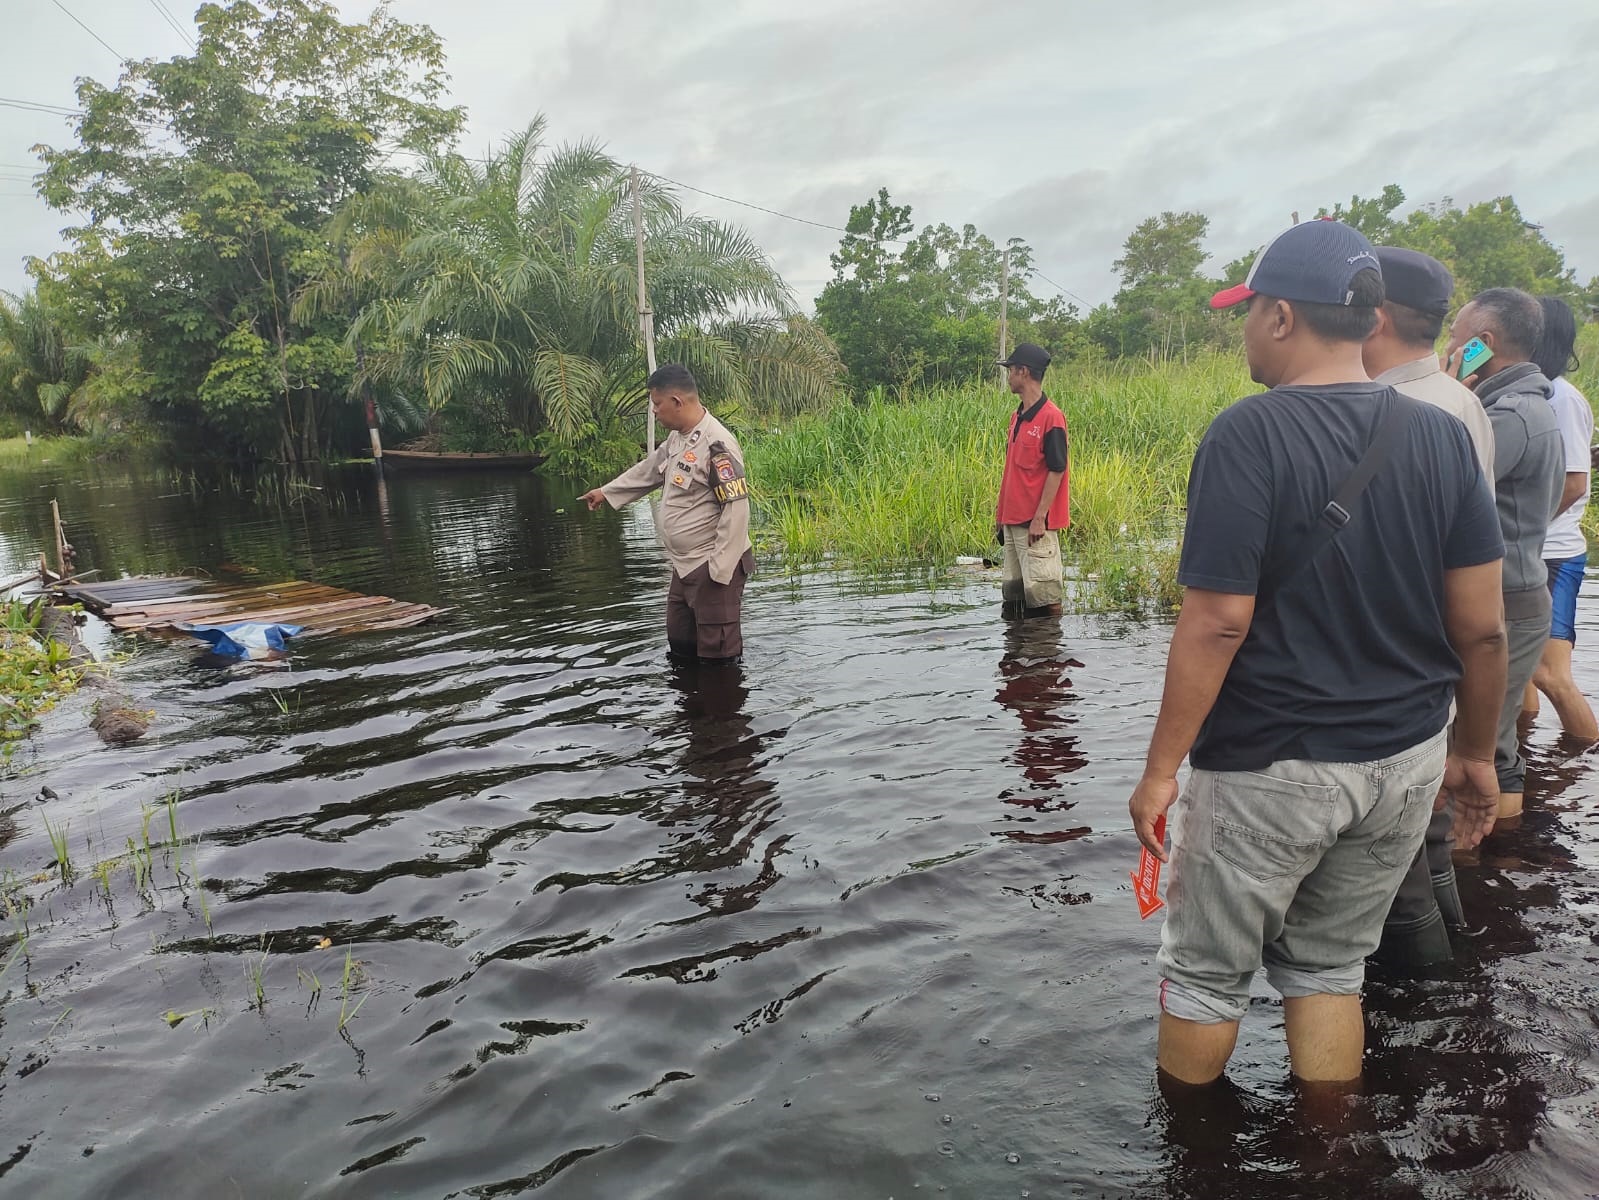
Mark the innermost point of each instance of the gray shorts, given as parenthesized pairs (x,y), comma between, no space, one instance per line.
(1293,867)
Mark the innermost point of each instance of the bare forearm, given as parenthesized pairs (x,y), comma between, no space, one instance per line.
(1576,485)
(1051,488)
(1479,695)
(1196,666)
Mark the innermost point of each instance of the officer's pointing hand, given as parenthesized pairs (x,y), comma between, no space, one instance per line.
(594,498)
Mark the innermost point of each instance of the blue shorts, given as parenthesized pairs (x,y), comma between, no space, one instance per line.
(1565,579)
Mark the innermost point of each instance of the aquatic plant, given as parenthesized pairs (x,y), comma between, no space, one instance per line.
(352,976)
(893,485)
(58,845)
(173,1018)
(254,969)
(170,801)
(34,672)
(199,884)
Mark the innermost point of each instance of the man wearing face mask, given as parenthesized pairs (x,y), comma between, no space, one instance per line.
(1529,476)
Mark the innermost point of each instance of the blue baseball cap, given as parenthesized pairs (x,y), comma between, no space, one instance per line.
(1313,262)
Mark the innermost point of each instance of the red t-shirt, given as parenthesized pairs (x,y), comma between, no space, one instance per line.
(1037,447)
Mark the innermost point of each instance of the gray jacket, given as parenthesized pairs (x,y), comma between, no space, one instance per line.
(1529,468)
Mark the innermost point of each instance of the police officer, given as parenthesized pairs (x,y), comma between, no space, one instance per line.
(704,518)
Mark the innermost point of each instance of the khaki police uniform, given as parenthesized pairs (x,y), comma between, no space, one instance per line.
(704,525)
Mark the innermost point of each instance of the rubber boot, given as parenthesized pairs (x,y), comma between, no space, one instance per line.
(1413,947)
(1447,893)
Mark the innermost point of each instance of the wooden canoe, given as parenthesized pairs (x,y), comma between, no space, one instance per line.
(461,460)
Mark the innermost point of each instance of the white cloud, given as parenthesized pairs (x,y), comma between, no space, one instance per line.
(1064,124)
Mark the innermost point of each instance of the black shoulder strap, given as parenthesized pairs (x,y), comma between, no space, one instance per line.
(1336,515)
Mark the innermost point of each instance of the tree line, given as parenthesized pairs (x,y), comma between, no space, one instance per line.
(272,232)
(929,311)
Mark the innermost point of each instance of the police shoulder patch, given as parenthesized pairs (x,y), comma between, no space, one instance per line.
(728,473)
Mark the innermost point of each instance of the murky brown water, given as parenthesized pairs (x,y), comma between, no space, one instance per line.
(854,921)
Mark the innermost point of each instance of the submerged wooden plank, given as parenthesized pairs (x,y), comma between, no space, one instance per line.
(156,605)
(222,600)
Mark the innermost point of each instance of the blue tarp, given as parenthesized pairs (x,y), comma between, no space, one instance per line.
(244,639)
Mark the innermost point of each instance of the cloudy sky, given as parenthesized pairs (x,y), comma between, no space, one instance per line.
(1059,121)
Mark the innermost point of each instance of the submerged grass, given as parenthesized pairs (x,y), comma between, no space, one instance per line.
(893,485)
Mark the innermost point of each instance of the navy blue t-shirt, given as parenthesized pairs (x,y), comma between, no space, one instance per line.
(1348,661)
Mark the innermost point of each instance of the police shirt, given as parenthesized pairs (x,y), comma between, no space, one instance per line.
(705,511)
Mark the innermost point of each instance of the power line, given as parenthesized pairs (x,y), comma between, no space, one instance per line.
(54,110)
(837,228)
(89,31)
(688,187)
(1058,287)
(166,15)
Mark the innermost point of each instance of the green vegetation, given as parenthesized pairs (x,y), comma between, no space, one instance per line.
(205,184)
(895,486)
(353,977)
(891,485)
(502,295)
(33,673)
(928,314)
(65,450)
(273,237)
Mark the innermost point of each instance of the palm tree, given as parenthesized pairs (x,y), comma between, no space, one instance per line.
(509,283)
(40,371)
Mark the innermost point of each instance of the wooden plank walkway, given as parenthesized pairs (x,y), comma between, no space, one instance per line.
(155,605)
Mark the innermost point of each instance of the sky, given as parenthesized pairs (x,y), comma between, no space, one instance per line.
(1063,122)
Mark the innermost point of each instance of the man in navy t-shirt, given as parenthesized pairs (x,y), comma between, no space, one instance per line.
(1312,667)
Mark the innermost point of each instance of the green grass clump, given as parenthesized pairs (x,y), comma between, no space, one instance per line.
(892,485)
(33,673)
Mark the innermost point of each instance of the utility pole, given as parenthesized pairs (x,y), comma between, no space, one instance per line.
(371,410)
(646,318)
(1004,307)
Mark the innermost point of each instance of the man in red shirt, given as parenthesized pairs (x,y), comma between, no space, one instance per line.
(1034,493)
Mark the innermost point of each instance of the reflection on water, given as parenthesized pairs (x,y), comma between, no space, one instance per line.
(851,919)
(1034,685)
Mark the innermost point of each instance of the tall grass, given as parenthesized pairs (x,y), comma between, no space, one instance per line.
(66,450)
(894,485)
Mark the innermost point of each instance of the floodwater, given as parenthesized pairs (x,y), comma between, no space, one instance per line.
(851,921)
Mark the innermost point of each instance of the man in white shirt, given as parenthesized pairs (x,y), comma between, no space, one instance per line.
(1565,547)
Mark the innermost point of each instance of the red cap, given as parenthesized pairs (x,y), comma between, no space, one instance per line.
(1228,297)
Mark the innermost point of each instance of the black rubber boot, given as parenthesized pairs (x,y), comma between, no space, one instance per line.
(1414,947)
(1447,893)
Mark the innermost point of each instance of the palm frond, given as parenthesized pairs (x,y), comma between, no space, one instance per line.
(569,387)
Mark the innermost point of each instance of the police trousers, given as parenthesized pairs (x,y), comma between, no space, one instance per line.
(703,617)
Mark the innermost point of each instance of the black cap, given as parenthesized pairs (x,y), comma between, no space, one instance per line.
(1314,263)
(1416,280)
(1028,355)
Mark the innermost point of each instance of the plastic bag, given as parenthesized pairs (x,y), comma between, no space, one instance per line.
(244,639)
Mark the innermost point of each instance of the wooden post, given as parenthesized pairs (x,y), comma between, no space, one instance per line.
(1004,309)
(646,318)
(61,539)
(371,412)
